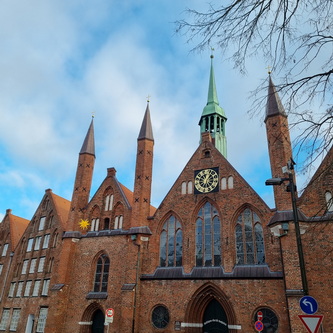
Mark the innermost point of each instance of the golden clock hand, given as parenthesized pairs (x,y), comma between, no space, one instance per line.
(206,178)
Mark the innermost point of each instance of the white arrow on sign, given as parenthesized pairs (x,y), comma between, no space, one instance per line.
(311,322)
(307,303)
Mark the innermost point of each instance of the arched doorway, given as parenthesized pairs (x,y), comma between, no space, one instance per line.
(92,320)
(215,319)
(209,310)
(97,322)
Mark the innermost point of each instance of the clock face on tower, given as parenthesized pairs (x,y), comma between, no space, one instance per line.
(206,180)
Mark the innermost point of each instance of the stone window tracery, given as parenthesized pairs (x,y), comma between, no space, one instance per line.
(102,273)
(160,317)
(249,239)
(171,243)
(269,319)
(208,237)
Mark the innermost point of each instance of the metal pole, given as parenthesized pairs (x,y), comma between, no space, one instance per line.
(298,235)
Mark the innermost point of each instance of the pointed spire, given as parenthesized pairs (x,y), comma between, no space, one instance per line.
(274,105)
(83,180)
(143,173)
(88,146)
(212,105)
(213,118)
(146,131)
(279,144)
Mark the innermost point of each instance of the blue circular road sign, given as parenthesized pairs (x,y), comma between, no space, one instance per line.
(308,305)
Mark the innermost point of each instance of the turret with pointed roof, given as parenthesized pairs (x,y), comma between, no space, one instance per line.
(143,172)
(213,118)
(274,105)
(88,146)
(83,179)
(279,144)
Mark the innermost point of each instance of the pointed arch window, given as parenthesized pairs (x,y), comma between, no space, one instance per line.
(102,274)
(108,202)
(171,243)
(118,222)
(329,201)
(249,239)
(208,237)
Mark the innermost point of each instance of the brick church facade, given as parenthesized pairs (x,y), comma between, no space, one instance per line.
(213,257)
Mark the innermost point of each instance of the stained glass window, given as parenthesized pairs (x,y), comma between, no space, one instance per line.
(269,320)
(208,237)
(171,243)
(160,317)
(102,273)
(249,239)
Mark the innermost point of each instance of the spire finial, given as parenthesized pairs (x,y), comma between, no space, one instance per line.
(212,55)
(148,98)
(269,70)
(93,114)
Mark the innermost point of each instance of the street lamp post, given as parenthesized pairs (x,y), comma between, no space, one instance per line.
(291,187)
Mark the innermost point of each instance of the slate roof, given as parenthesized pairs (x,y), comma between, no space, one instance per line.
(146,131)
(274,105)
(88,146)
(239,272)
(287,216)
(114,232)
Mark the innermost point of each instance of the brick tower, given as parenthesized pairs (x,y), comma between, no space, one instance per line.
(83,179)
(143,172)
(279,144)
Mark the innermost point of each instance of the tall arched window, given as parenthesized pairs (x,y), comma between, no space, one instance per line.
(102,274)
(249,239)
(208,237)
(329,201)
(171,243)
(108,202)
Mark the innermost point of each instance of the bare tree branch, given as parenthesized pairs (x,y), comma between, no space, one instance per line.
(296,37)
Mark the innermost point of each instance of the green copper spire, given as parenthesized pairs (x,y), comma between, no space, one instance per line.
(213,117)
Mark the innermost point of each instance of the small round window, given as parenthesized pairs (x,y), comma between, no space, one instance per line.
(269,320)
(160,316)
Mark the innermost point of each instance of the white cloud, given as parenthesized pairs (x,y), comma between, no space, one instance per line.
(61,61)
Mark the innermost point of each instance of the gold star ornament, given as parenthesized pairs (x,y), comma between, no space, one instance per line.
(84,224)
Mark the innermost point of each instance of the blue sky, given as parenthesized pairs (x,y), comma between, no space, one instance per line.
(63,60)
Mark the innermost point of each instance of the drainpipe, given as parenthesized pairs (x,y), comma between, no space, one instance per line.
(136,289)
(284,278)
